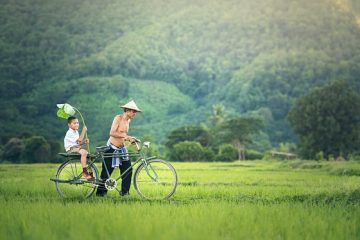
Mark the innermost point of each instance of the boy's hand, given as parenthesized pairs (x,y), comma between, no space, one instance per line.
(87,141)
(84,129)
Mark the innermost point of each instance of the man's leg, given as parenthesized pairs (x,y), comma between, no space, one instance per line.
(101,190)
(126,179)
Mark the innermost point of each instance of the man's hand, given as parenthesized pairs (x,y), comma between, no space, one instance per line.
(133,140)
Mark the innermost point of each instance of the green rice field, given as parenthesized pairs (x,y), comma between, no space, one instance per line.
(237,200)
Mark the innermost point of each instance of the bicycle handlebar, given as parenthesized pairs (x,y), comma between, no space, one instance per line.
(136,142)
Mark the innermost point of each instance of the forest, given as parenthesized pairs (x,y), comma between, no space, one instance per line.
(177,59)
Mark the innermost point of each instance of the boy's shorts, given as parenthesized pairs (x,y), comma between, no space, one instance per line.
(74,149)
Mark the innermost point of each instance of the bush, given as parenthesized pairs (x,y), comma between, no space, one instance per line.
(37,149)
(253,155)
(319,156)
(191,151)
(208,154)
(13,150)
(227,152)
(55,148)
(354,157)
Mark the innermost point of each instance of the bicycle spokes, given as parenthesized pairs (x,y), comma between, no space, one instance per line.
(155,180)
(70,183)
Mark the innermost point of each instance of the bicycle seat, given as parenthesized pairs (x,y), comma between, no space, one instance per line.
(69,154)
(102,148)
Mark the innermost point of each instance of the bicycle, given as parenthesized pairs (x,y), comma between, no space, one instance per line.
(153,178)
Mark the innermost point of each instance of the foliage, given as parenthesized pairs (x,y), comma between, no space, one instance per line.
(37,149)
(13,150)
(55,148)
(191,151)
(327,120)
(31,149)
(253,155)
(217,117)
(189,133)
(227,153)
(239,132)
(177,60)
(287,147)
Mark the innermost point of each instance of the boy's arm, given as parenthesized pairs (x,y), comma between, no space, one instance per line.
(82,135)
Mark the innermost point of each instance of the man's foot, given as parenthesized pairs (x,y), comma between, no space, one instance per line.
(123,194)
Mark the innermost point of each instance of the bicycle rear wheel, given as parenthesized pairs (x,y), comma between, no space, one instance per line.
(71,184)
(155,180)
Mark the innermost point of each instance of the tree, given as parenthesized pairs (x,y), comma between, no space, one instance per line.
(327,120)
(37,149)
(218,115)
(189,133)
(239,131)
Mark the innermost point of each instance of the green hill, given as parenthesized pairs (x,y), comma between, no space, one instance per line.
(175,58)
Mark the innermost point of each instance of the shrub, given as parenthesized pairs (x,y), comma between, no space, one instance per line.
(319,156)
(55,148)
(189,151)
(253,155)
(354,157)
(227,152)
(13,150)
(208,154)
(37,149)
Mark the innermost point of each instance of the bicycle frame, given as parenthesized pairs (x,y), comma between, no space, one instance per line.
(140,154)
(146,167)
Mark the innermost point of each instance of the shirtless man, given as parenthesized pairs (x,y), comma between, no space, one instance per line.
(118,136)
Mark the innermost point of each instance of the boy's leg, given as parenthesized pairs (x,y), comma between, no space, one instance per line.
(85,172)
(101,190)
(126,179)
(83,154)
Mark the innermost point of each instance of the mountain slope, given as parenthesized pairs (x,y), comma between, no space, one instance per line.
(253,56)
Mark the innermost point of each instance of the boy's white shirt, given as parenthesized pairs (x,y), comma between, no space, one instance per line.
(70,139)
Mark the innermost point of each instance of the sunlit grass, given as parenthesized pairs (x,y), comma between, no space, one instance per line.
(239,200)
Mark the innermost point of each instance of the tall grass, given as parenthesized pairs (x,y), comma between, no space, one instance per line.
(240,200)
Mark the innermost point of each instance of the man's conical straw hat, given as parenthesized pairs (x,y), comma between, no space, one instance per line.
(131,105)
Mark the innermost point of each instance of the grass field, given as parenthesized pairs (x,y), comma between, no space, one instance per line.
(238,200)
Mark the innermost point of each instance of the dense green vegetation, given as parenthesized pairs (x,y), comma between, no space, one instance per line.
(328,122)
(175,58)
(248,199)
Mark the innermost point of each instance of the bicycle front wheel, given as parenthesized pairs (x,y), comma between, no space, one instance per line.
(156,179)
(70,182)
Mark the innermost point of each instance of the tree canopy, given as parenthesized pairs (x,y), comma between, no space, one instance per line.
(327,120)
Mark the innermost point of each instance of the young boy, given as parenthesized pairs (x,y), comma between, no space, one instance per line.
(73,141)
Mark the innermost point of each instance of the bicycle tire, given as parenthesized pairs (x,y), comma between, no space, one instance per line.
(158,183)
(70,183)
